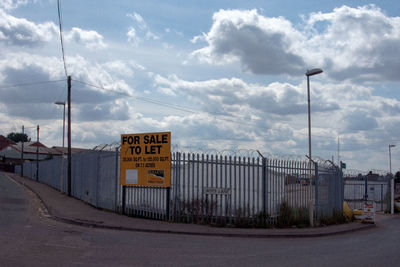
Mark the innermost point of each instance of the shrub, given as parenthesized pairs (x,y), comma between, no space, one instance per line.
(285,218)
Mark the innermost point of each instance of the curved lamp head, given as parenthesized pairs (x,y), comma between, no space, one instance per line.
(313,72)
(59,103)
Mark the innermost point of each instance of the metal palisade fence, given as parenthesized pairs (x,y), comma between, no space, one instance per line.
(359,189)
(235,190)
(204,188)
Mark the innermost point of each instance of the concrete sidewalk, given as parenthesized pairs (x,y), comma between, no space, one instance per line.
(60,207)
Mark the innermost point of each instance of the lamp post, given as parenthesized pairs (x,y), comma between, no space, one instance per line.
(62,153)
(391,181)
(63,104)
(308,74)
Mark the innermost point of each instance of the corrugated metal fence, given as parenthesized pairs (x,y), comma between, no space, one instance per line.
(204,188)
(94,177)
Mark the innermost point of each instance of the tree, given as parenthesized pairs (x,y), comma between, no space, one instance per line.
(18,137)
(397,177)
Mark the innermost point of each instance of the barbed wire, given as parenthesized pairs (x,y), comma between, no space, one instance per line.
(107,147)
(251,153)
(242,152)
(355,172)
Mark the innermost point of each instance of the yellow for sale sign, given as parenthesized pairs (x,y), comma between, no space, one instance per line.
(146,159)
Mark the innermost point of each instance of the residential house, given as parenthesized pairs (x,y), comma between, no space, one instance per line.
(10,152)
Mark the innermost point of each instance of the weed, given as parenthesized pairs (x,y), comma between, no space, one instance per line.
(289,216)
(337,217)
(196,211)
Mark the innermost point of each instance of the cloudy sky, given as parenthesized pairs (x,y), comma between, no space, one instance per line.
(220,75)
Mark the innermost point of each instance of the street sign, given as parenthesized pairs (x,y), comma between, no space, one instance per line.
(216,191)
(146,159)
(369,212)
(343,165)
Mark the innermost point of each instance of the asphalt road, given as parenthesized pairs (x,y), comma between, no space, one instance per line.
(26,239)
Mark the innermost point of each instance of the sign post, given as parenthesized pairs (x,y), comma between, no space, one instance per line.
(146,159)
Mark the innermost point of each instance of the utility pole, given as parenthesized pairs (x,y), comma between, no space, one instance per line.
(69,136)
(391,180)
(338,150)
(37,154)
(22,153)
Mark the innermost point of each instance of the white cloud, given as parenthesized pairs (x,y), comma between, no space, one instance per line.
(132,37)
(29,101)
(48,68)
(234,96)
(21,32)
(118,67)
(355,43)
(142,26)
(260,44)
(179,33)
(94,73)
(36,101)
(151,36)
(139,20)
(227,109)
(199,38)
(274,116)
(348,43)
(360,121)
(13,4)
(91,39)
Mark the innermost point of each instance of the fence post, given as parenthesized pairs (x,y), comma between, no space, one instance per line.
(97,178)
(264,179)
(341,186)
(167,203)
(316,208)
(123,199)
(382,197)
(116,181)
(177,184)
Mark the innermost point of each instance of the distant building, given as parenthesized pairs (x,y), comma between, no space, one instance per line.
(4,142)
(10,152)
(30,149)
(372,176)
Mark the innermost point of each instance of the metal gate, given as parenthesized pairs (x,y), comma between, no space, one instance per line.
(363,188)
(328,190)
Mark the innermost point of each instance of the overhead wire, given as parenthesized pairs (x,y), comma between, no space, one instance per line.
(30,84)
(172,106)
(61,35)
(104,89)
(169,105)
(60,96)
(216,115)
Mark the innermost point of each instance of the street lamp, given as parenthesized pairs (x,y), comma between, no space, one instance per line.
(391,180)
(62,152)
(308,74)
(63,104)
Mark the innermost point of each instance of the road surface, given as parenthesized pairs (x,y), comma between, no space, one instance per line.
(27,239)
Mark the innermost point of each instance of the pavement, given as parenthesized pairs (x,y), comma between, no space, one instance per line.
(53,204)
